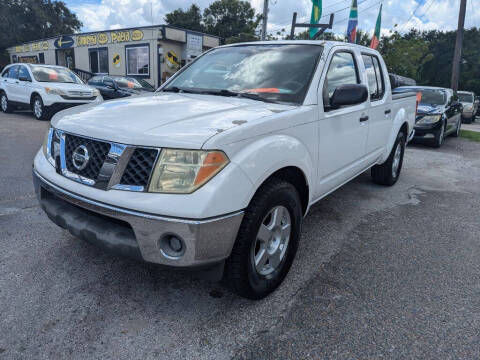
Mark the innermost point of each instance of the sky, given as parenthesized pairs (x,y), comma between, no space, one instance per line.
(99,15)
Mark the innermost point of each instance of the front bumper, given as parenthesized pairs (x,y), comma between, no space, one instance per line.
(135,234)
(427,131)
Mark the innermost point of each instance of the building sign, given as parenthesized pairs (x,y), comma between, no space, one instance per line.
(194,46)
(116,60)
(38,46)
(172,60)
(87,40)
(115,37)
(63,42)
(28,59)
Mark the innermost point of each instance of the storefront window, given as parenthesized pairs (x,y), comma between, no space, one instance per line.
(138,60)
(98,61)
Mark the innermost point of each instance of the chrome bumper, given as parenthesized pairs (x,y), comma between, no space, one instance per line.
(136,234)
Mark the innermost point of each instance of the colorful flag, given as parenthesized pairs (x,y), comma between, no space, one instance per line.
(376,34)
(352,23)
(316,15)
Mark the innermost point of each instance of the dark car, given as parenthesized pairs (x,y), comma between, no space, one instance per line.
(114,87)
(439,114)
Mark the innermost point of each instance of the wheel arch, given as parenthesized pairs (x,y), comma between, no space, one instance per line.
(32,96)
(295,176)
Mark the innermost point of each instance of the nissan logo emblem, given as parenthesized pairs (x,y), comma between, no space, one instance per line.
(80,157)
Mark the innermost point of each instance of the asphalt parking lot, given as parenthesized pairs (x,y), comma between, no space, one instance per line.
(380,273)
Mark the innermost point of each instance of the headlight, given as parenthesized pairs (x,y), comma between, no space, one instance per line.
(47,142)
(429,119)
(468,108)
(51,146)
(51,91)
(95,92)
(184,171)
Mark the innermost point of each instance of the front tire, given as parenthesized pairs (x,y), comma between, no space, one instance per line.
(388,173)
(440,136)
(4,103)
(267,241)
(39,110)
(457,130)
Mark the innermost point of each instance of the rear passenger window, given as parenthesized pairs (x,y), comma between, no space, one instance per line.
(380,79)
(342,71)
(23,73)
(371,76)
(376,83)
(5,73)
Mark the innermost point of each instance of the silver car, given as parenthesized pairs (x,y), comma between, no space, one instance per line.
(470,106)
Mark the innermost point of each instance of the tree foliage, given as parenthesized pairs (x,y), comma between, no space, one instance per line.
(232,20)
(28,20)
(190,19)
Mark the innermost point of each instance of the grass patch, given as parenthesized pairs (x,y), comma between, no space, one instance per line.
(470,135)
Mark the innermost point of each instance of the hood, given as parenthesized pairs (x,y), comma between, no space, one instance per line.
(164,119)
(424,109)
(68,87)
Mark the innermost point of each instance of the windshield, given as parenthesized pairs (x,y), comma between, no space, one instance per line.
(270,72)
(129,83)
(466,98)
(429,96)
(58,75)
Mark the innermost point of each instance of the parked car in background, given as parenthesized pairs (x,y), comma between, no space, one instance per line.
(46,89)
(217,169)
(470,106)
(114,87)
(439,114)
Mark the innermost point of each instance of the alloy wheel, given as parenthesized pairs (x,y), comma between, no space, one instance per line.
(4,103)
(37,108)
(396,160)
(272,240)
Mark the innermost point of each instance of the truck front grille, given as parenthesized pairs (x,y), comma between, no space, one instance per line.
(103,164)
(139,168)
(97,152)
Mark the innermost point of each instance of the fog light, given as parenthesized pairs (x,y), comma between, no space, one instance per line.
(172,246)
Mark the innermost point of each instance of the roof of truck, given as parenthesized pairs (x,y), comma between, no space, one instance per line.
(302,42)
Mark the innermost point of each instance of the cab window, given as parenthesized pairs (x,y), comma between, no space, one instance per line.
(371,76)
(23,73)
(342,71)
(13,72)
(376,82)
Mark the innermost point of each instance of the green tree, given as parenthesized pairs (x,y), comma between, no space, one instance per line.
(406,55)
(190,19)
(231,19)
(28,20)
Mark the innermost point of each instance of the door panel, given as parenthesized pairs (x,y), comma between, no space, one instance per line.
(342,134)
(380,123)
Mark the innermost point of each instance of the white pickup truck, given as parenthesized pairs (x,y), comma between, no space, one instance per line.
(217,169)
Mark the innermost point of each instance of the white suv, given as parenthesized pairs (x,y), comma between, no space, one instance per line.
(45,89)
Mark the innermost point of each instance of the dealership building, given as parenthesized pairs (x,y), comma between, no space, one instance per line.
(153,53)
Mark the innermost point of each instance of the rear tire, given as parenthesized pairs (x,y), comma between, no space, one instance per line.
(267,241)
(39,110)
(4,103)
(388,173)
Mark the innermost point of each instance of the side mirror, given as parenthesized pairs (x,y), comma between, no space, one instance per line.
(24,78)
(349,95)
(110,84)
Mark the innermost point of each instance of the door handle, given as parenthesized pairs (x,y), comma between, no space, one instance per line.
(17,82)
(388,111)
(364,118)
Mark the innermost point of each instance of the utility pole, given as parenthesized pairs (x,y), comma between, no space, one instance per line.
(457,56)
(264,19)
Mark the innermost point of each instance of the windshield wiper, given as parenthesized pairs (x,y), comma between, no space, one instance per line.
(225,92)
(176,89)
